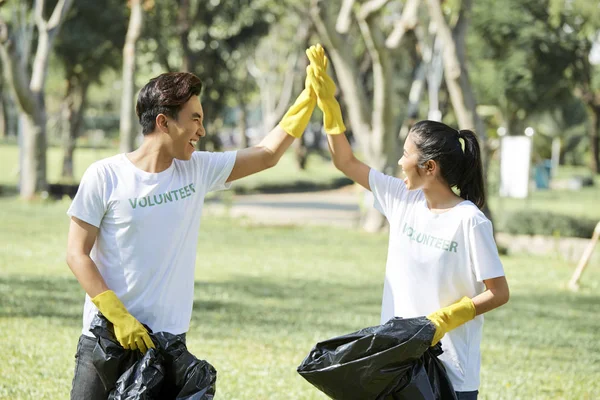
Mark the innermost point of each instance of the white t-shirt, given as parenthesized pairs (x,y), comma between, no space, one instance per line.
(433,261)
(148,231)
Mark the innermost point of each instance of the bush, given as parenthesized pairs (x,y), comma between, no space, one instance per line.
(548,224)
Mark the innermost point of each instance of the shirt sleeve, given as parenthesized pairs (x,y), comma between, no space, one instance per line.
(215,168)
(88,204)
(484,252)
(387,191)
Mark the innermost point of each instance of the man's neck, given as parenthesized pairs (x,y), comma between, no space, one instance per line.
(151,156)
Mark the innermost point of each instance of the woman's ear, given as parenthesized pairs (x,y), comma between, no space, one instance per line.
(430,167)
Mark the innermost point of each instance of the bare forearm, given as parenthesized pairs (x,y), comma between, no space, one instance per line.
(340,150)
(86,272)
(274,145)
(490,299)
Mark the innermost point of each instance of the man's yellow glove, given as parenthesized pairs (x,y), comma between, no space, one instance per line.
(324,87)
(296,119)
(130,333)
(447,318)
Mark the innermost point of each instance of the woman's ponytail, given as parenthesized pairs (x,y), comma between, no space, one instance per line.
(470,184)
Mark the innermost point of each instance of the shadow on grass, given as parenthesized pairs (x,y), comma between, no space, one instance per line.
(259,303)
(8,191)
(546,320)
(54,297)
(247,303)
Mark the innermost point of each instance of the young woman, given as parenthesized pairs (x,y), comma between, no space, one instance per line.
(442,259)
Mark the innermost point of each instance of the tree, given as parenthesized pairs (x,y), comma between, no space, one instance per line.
(28,85)
(92,40)
(127,127)
(582,18)
(365,69)
(210,39)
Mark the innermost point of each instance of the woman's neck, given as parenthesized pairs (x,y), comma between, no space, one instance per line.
(441,198)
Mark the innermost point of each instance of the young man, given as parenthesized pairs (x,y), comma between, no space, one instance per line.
(135,219)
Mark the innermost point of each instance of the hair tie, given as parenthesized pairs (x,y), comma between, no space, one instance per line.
(461,141)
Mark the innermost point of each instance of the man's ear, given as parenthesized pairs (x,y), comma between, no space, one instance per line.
(162,123)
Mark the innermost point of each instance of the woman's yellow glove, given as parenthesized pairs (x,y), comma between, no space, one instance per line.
(324,87)
(448,318)
(296,119)
(130,333)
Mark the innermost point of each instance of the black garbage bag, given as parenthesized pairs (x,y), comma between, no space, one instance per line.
(393,361)
(168,371)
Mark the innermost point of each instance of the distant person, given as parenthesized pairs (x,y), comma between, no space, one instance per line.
(442,259)
(135,219)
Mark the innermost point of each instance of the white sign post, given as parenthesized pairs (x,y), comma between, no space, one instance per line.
(515,161)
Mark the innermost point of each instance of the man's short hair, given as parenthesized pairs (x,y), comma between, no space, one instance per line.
(166,94)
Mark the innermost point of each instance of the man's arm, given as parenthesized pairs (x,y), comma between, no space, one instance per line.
(79,245)
(262,156)
(130,333)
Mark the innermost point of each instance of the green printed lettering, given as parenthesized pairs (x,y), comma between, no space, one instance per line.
(145,202)
(431,240)
(182,193)
(453,246)
(150,203)
(133,203)
(160,196)
(187,191)
(438,243)
(168,196)
(192,187)
(446,244)
(175,194)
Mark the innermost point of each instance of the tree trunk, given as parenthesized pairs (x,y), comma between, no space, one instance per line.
(243,122)
(3,114)
(33,154)
(126,125)
(372,123)
(75,104)
(594,135)
(457,78)
(29,92)
(183,28)
(301,152)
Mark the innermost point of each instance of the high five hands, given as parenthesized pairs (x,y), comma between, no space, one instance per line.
(324,88)
(319,89)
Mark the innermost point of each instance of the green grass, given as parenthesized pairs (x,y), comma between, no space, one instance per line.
(581,203)
(265,295)
(318,170)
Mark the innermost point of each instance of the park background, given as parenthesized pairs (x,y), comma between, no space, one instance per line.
(296,254)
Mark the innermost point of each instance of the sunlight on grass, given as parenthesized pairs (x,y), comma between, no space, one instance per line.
(265,295)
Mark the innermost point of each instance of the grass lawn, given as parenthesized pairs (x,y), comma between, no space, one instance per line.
(318,169)
(583,203)
(265,295)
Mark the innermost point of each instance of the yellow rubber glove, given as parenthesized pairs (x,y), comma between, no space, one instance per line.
(324,87)
(296,119)
(130,333)
(448,318)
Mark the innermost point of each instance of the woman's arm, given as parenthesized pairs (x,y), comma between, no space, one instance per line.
(345,161)
(496,295)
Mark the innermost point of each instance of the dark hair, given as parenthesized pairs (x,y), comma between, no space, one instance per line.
(165,94)
(463,169)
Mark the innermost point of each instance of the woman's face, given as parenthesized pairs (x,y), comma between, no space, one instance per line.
(413,175)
